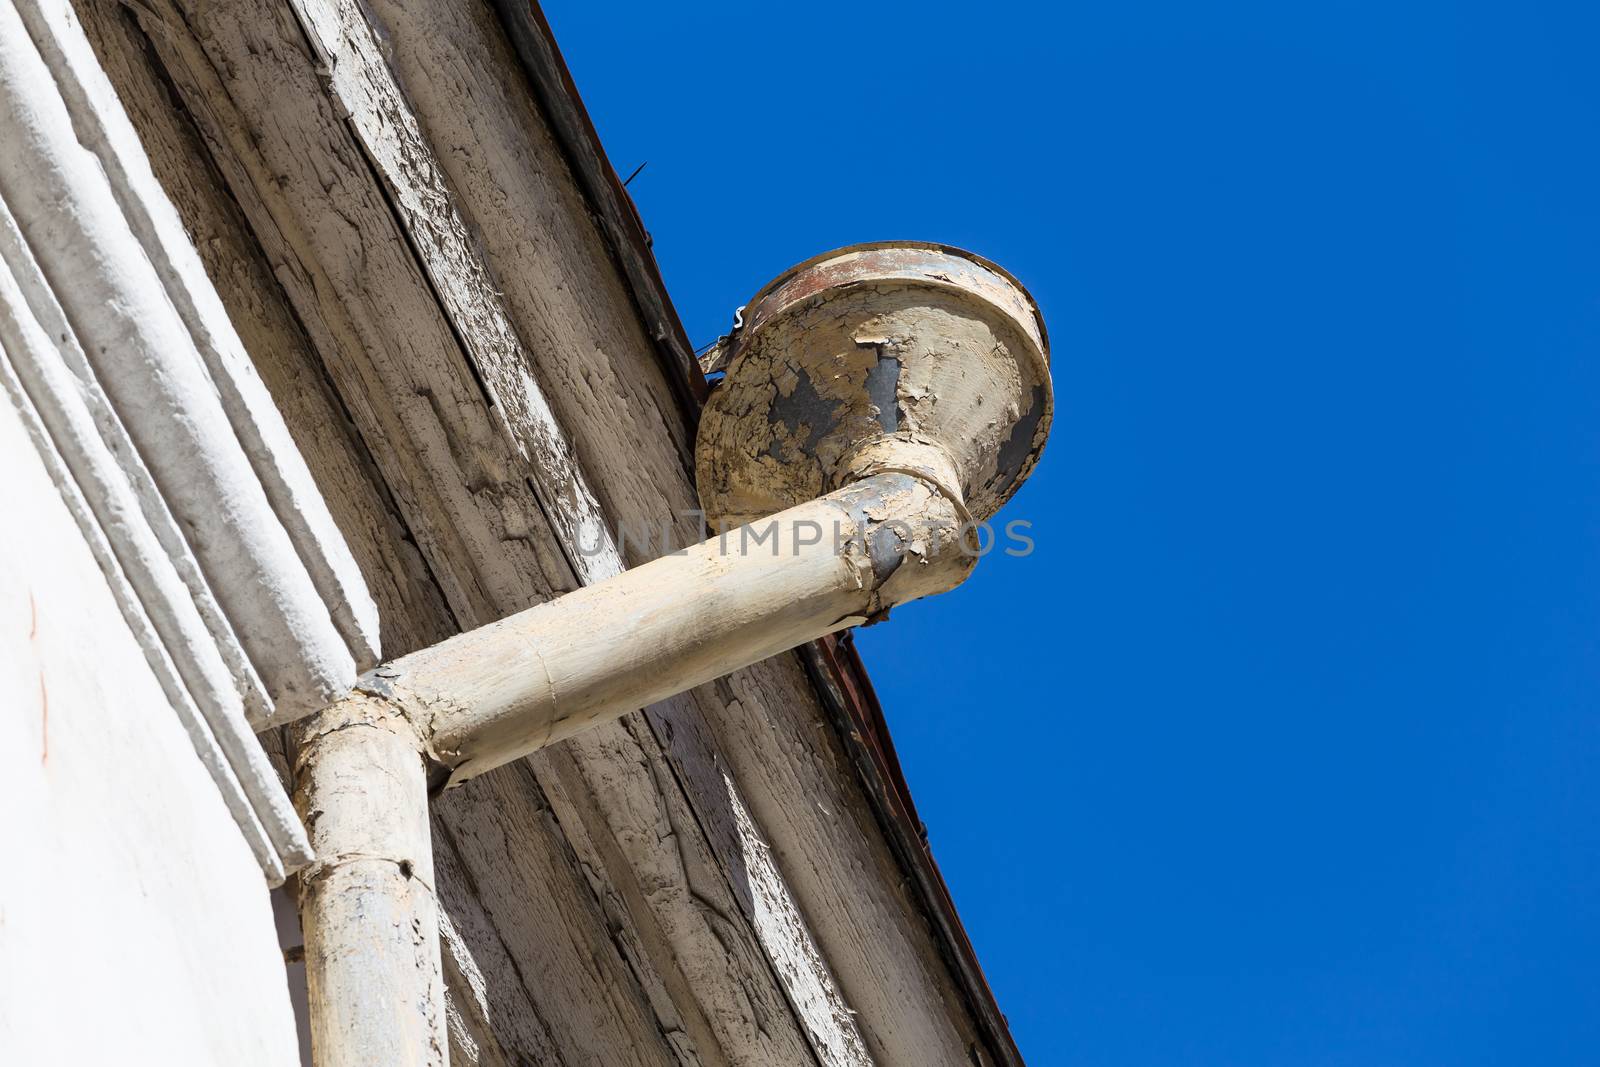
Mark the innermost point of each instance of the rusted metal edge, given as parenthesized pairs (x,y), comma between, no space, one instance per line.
(833,665)
(613,209)
(991,463)
(888,261)
(841,680)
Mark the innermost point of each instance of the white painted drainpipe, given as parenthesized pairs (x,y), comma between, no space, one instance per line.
(877,401)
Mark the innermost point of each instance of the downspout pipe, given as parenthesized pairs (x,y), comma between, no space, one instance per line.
(497,693)
(878,404)
(367,902)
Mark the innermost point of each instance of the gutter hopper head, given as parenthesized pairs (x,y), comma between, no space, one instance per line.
(878,356)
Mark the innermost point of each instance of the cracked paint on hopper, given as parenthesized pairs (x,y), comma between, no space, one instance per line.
(861,347)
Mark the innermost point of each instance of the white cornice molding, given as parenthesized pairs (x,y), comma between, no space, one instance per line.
(160,435)
(104,129)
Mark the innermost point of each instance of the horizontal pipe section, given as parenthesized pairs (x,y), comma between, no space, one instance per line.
(497,693)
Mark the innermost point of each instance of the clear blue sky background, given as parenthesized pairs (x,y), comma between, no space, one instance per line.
(1282,748)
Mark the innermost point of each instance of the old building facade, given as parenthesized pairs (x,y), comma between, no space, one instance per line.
(329,333)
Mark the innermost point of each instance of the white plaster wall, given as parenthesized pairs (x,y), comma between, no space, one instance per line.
(135,925)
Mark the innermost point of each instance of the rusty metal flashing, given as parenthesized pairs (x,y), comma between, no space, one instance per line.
(833,664)
(883,261)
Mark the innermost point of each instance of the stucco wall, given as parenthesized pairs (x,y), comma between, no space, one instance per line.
(135,925)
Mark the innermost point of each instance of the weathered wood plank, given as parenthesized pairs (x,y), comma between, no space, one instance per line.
(589,352)
(616,218)
(554,931)
(641,830)
(358,80)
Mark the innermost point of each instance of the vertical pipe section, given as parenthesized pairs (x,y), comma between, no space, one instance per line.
(367,904)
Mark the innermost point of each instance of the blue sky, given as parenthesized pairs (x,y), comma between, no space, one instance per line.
(1282,746)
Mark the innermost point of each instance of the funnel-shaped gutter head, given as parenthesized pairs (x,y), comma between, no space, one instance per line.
(873,357)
